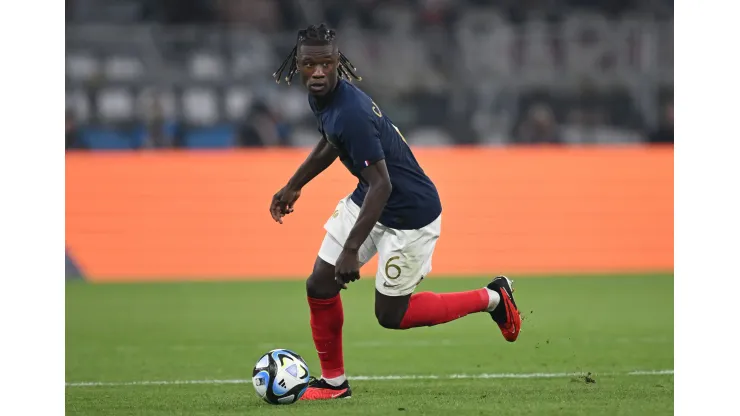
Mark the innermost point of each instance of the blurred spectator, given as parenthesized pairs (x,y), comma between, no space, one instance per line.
(575,129)
(591,126)
(438,13)
(539,126)
(69,8)
(158,131)
(71,131)
(262,128)
(178,11)
(664,132)
(258,14)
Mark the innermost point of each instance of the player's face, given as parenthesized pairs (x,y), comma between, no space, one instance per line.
(318,67)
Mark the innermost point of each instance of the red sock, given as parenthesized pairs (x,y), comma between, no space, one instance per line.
(428,309)
(327,318)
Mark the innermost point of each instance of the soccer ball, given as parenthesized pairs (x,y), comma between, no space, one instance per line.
(280,377)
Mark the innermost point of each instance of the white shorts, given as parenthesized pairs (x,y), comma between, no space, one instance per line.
(404,256)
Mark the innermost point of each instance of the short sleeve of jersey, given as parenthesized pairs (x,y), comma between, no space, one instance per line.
(361,138)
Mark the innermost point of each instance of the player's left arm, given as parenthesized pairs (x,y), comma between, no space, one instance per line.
(361,138)
(379,190)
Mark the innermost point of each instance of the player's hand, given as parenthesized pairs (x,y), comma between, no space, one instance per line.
(283,202)
(347,268)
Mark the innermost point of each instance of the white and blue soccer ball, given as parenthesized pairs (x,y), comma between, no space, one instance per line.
(280,377)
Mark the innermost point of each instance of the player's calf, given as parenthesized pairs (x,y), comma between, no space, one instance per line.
(327,319)
(429,309)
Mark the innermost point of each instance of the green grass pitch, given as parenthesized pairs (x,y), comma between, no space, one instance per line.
(609,326)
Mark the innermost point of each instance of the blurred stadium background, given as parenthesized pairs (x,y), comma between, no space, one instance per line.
(196,73)
(563,102)
(547,126)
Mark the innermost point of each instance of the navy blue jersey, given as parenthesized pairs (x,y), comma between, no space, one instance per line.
(351,122)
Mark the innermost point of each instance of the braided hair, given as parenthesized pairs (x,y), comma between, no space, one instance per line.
(320,35)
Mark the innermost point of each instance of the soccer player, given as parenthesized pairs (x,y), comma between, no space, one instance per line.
(394,211)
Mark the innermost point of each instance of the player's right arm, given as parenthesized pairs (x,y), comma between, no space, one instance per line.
(320,158)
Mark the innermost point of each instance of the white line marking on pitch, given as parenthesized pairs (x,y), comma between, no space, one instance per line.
(370,378)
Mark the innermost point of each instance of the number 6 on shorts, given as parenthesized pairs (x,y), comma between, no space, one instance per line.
(392,271)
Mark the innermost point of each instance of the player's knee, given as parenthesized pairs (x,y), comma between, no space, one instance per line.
(390,310)
(389,319)
(321,283)
(317,288)
(312,287)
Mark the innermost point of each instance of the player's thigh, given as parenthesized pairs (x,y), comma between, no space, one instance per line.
(322,284)
(338,227)
(404,258)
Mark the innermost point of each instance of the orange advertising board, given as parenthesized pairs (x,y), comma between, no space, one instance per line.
(204,215)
